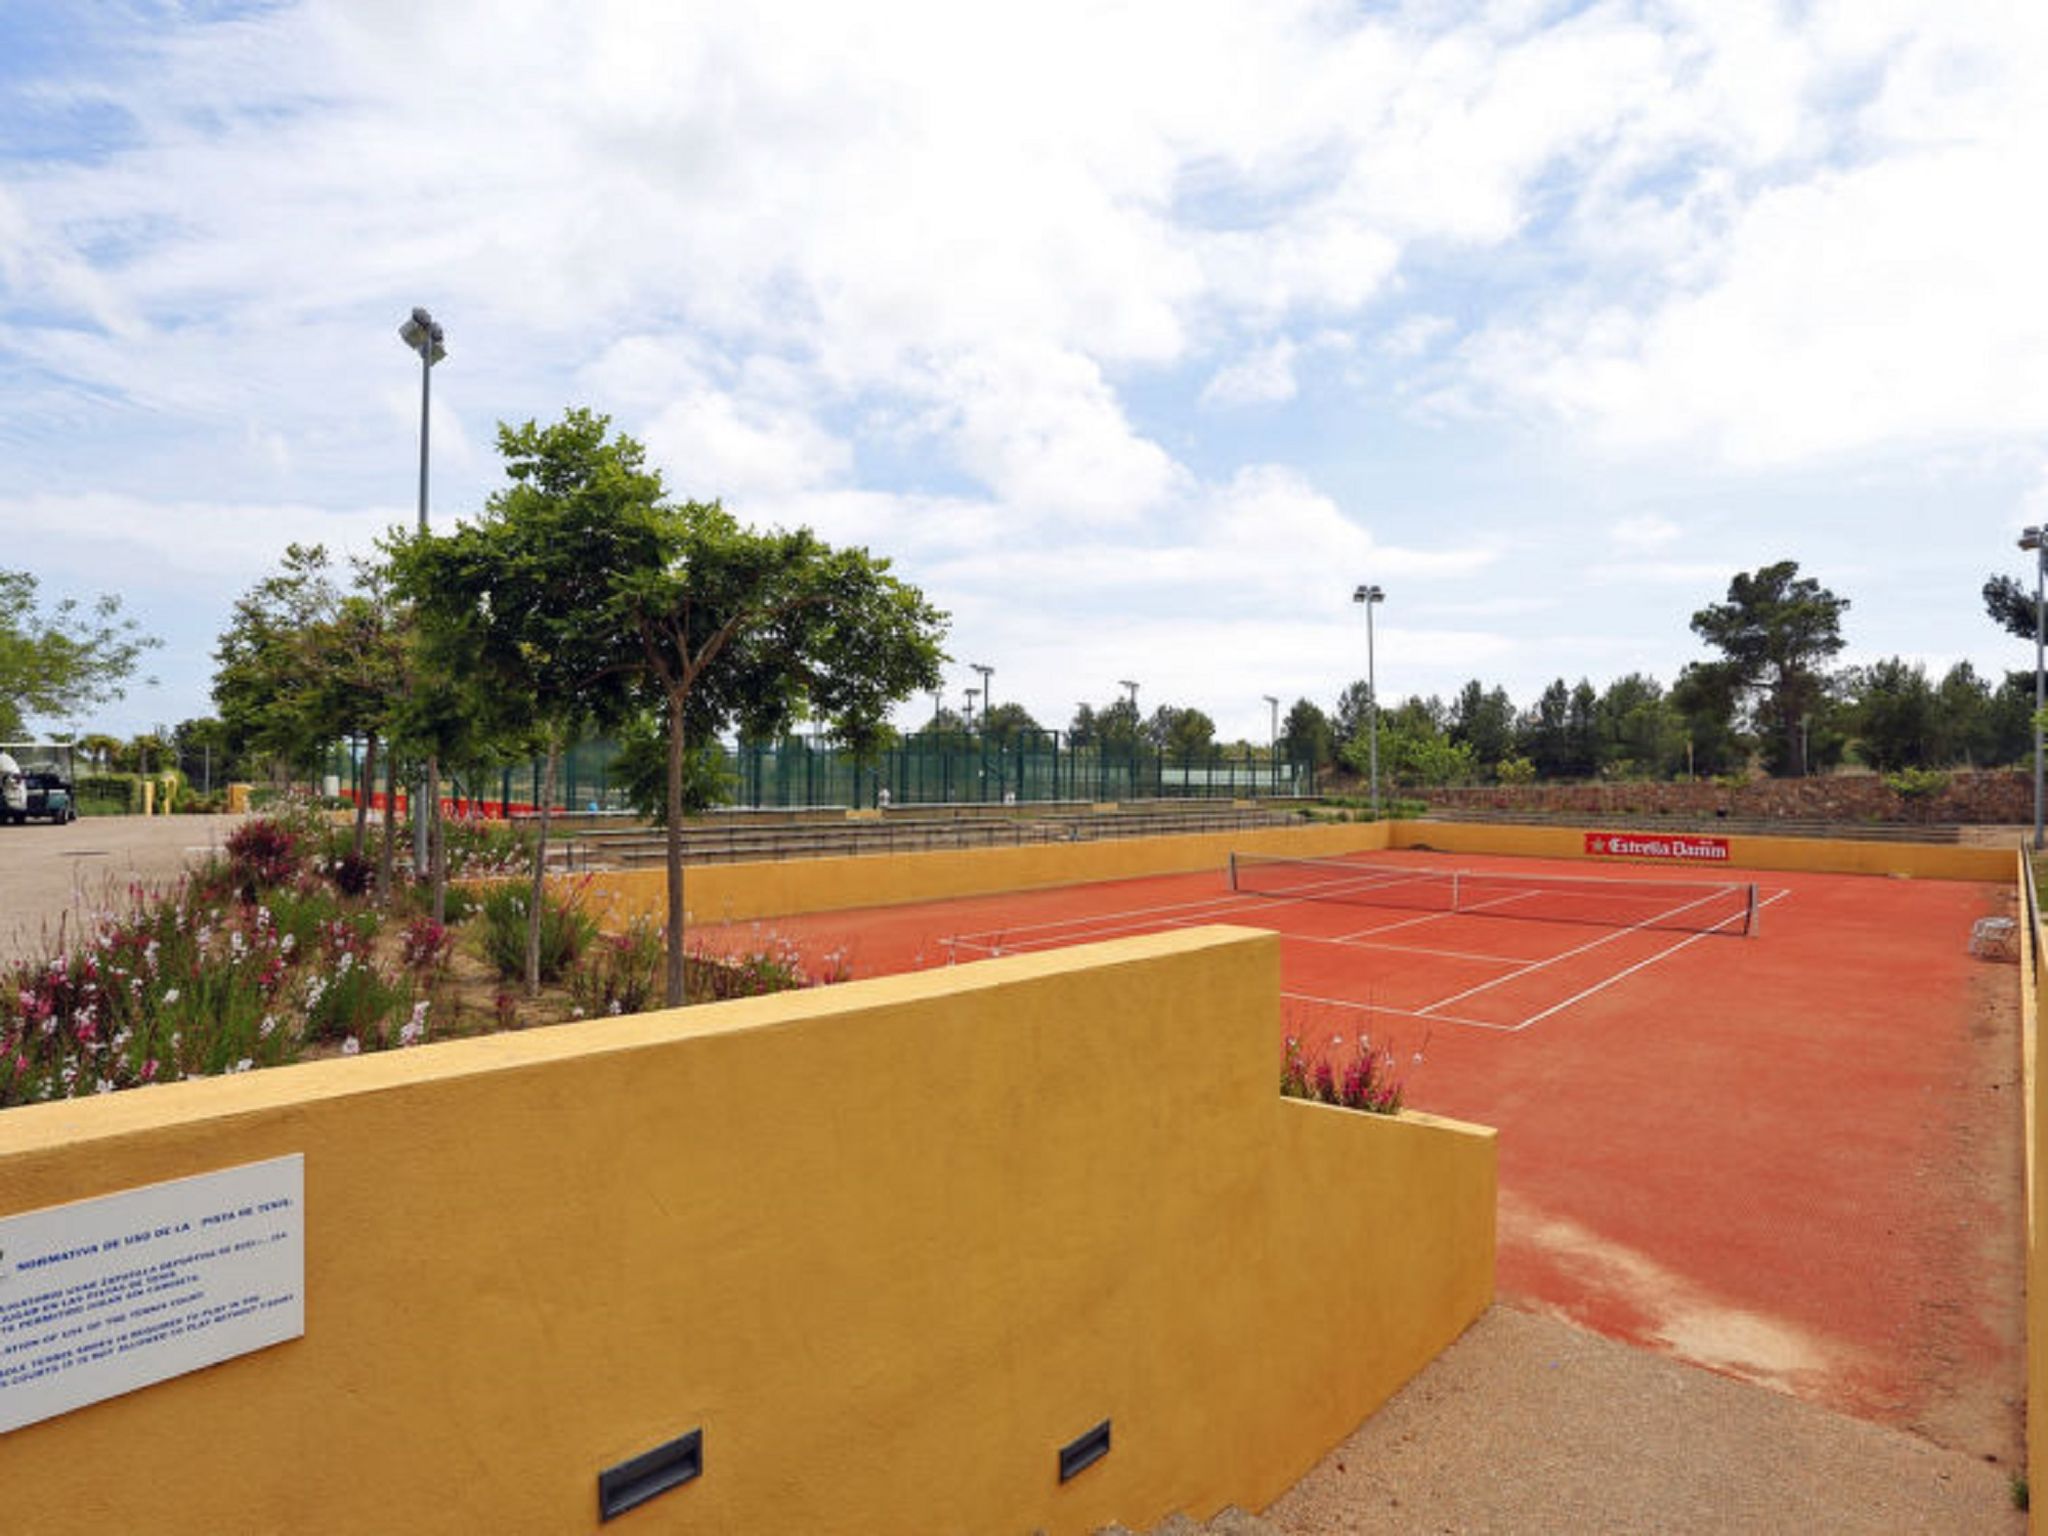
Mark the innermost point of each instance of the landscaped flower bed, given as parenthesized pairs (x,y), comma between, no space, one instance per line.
(278,952)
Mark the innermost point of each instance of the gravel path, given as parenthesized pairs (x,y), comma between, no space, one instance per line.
(1527,1424)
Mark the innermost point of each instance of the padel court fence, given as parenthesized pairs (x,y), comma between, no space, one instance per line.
(930,768)
(957,767)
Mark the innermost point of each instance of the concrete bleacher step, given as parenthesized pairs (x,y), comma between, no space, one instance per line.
(1230,1521)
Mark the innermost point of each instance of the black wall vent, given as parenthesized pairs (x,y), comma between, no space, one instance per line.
(632,1483)
(1078,1456)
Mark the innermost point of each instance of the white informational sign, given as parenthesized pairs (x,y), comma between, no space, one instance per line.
(107,1295)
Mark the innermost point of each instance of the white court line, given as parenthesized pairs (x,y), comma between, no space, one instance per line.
(1406,1013)
(1602,986)
(1544,964)
(1230,902)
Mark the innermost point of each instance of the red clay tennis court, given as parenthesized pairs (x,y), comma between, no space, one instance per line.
(1766,1123)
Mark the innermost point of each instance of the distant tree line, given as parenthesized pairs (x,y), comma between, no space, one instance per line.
(1768,700)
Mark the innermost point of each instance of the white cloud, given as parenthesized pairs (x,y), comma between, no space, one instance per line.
(1264,378)
(923,275)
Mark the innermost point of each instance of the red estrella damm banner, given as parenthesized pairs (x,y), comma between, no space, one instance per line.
(1657,845)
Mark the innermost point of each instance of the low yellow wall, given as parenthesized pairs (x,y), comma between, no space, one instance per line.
(1929,861)
(888,1245)
(778,888)
(2033,978)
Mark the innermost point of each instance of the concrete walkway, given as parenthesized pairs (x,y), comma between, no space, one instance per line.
(1528,1424)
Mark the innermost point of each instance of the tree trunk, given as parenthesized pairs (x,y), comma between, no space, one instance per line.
(677,994)
(437,865)
(385,851)
(540,865)
(366,790)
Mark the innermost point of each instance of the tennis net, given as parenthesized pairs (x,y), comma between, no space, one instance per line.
(1685,906)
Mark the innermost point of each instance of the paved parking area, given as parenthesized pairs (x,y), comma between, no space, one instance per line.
(51,877)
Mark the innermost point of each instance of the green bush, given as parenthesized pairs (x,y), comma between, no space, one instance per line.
(565,931)
(106,794)
(1916,783)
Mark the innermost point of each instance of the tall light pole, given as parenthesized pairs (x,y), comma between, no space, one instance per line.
(423,334)
(1125,682)
(1371,596)
(2036,539)
(972,695)
(988,699)
(1273,742)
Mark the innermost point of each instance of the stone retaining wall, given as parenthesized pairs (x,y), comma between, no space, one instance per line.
(2003,797)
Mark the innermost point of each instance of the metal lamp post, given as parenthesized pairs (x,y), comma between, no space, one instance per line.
(423,334)
(1125,682)
(1273,742)
(2036,540)
(988,699)
(1371,596)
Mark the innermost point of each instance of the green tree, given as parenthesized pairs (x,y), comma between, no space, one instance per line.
(261,684)
(1704,698)
(521,603)
(1004,724)
(1117,730)
(737,626)
(1638,729)
(72,658)
(1354,708)
(1484,721)
(1546,734)
(1082,730)
(2008,720)
(642,767)
(1896,716)
(1582,731)
(1180,733)
(2010,605)
(1775,631)
(1306,736)
(1415,751)
(1963,703)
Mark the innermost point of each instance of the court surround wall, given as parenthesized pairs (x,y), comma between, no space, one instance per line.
(778,888)
(1930,861)
(2033,980)
(887,1244)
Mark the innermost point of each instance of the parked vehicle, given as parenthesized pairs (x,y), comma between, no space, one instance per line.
(35,783)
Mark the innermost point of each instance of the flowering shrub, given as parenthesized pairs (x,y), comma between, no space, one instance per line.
(1367,1081)
(163,990)
(476,847)
(621,972)
(262,854)
(352,872)
(200,981)
(426,944)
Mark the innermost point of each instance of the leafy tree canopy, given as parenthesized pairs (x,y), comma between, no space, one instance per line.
(1775,631)
(58,663)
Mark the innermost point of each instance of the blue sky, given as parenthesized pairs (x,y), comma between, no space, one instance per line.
(1136,334)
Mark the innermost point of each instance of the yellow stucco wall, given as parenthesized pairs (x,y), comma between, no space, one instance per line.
(778,888)
(1931,861)
(2033,978)
(888,1244)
